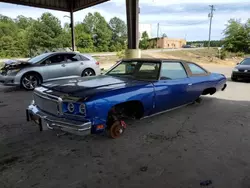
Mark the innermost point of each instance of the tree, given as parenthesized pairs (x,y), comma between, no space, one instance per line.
(237,36)
(144,43)
(45,33)
(119,34)
(98,28)
(164,35)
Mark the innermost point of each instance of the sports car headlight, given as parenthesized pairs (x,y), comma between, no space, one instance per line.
(13,71)
(235,70)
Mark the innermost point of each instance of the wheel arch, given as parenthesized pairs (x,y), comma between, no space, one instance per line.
(131,108)
(31,72)
(210,90)
(88,68)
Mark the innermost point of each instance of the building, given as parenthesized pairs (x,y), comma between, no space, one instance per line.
(145,27)
(165,42)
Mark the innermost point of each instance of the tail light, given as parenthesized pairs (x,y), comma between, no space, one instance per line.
(97,63)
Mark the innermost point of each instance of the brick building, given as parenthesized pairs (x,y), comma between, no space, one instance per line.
(168,42)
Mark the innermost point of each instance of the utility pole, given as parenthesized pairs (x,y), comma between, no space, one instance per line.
(158,29)
(211,14)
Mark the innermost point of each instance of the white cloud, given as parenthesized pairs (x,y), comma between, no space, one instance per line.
(176,14)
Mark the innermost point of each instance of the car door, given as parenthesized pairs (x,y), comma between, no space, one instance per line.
(171,89)
(73,63)
(199,80)
(55,66)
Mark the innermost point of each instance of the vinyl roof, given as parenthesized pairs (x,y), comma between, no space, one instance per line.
(61,5)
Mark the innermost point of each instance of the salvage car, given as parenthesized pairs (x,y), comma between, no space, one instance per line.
(47,67)
(242,70)
(131,89)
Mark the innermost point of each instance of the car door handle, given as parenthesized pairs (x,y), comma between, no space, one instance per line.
(190,84)
(81,63)
(63,65)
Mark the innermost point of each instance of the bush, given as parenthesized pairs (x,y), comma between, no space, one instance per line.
(120,54)
(240,54)
(84,50)
(223,54)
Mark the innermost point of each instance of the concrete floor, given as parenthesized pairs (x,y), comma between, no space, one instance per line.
(207,141)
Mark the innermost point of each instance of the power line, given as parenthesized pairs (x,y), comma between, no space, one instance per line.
(187,24)
(210,15)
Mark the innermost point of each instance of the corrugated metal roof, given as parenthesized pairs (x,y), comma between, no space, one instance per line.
(62,5)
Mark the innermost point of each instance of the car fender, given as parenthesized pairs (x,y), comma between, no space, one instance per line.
(24,71)
(101,106)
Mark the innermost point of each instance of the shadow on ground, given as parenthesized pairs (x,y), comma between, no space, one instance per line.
(207,141)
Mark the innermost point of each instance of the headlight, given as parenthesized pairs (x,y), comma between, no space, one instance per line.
(74,108)
(71,107)
(235,70)
(13,71)
(82,109)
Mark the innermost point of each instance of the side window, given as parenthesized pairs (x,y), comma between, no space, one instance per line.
(83,58)
(172,70)
(71,58)
(54,59)
(148,71)
(196,69)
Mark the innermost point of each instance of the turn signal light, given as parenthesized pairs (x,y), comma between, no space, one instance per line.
(98,127)
(97,63)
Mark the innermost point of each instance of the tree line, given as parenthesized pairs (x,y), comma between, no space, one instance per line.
(23,36)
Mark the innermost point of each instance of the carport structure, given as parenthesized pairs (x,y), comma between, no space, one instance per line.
(71,6)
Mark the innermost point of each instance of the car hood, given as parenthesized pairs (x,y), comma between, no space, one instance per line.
(243,67)
(15,64)
(85,87)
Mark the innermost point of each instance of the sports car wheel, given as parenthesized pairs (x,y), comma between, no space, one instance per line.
(88,72)
(116,130)
(30,81)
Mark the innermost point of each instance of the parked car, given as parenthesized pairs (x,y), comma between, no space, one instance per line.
(48,67)
(132,88)
(242,70)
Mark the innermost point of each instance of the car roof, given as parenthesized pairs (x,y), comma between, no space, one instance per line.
(155,60)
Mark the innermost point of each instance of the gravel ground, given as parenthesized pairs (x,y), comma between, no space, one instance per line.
(207,141)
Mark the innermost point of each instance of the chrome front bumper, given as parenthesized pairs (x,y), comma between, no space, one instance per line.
(46,121)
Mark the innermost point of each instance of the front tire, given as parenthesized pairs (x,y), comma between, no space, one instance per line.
(30,81)
(88,72)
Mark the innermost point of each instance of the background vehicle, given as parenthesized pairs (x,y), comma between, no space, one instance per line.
(242,70)
(133,88)
(48,67)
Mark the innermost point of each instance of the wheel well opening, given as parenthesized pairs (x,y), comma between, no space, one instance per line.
(36,73)
(209,91)
(88,69)
(126,110)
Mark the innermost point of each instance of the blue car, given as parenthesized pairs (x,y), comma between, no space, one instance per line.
(131,89)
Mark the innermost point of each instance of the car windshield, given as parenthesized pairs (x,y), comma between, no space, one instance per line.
(245,61)
(136,70)
(37,58)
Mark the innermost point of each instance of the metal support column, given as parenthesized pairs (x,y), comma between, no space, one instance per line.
(72,30)
(132,9)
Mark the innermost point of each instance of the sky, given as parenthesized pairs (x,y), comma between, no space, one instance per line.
(177,18)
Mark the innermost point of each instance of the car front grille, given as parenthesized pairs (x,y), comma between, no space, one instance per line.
(244,70)
(47,103)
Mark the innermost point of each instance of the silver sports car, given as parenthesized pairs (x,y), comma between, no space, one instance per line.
(47,67)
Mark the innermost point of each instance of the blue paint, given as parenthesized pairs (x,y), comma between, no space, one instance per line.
(101,93)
